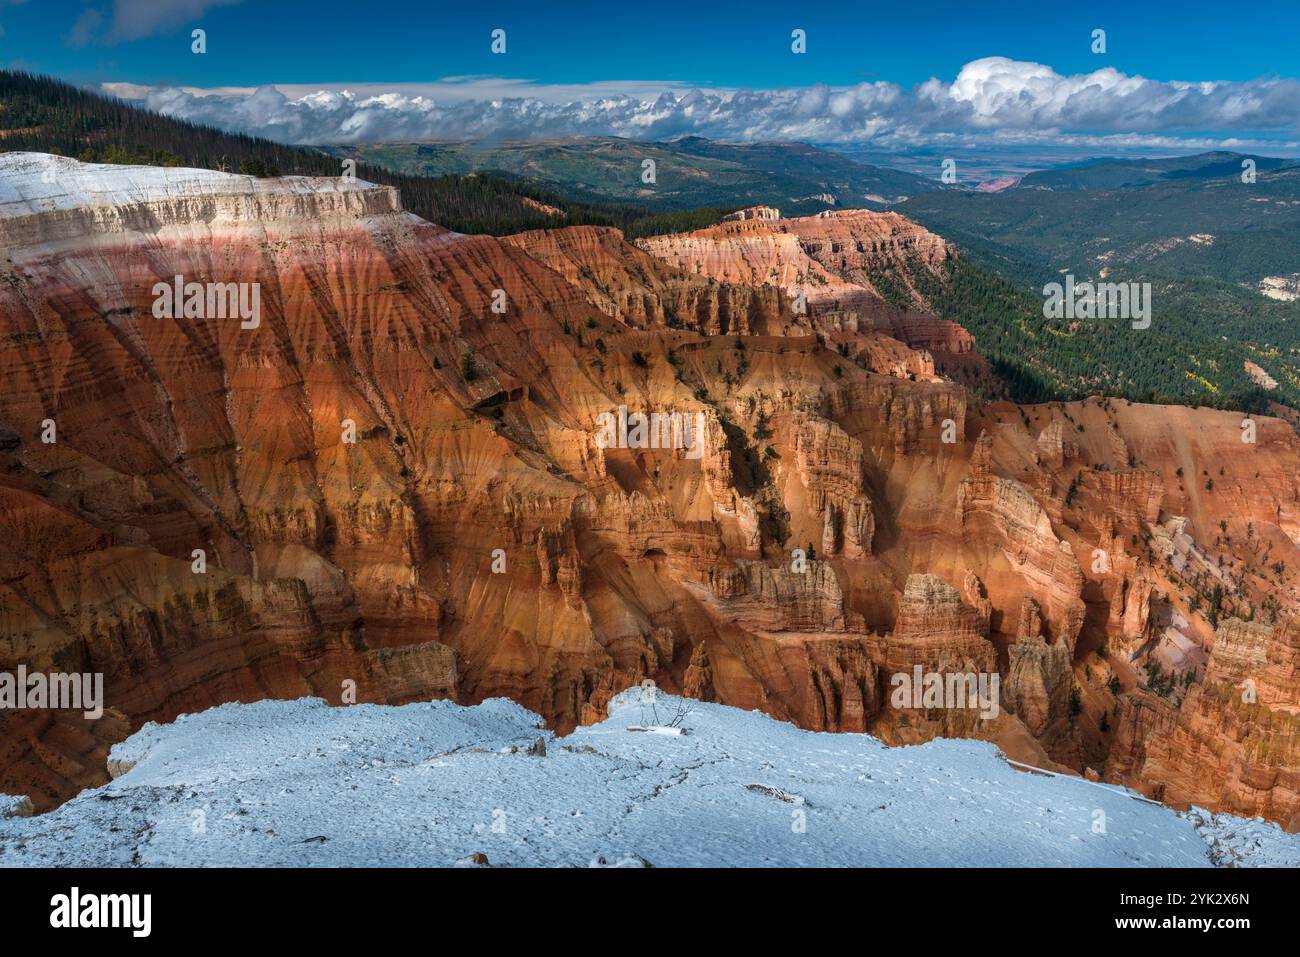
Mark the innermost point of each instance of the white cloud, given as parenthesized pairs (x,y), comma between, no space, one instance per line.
(990,98)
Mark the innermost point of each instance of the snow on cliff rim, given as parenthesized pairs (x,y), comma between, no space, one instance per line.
(434,784)
(33,183)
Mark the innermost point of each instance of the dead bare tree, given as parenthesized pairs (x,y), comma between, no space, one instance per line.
(650,697)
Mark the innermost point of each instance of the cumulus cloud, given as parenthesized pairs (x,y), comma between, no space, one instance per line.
(990,98)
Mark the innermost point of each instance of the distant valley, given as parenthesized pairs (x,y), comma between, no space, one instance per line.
(687,173)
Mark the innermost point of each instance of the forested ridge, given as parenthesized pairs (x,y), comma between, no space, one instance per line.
(1175,361)
(44,115)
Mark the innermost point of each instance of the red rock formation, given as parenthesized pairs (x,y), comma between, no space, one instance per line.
(934,622)
(830,466)
(1037,689)
(838,261)
(1023,531)
(1235,741)
(754,212)
(643,291)
(476,539)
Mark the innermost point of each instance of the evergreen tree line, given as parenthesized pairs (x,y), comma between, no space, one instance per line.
(1043,360)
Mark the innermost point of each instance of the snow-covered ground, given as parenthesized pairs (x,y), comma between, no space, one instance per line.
(301,783)
(39,182)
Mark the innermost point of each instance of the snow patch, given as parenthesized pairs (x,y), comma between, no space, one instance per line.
(32,183)
(438,784)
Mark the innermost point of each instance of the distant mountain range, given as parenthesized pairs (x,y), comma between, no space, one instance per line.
(1188,217)
(1109,173)
(688,173)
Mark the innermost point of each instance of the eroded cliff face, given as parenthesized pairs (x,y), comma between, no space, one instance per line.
(844,273)
(1233,741)
(399,487)
(642,291)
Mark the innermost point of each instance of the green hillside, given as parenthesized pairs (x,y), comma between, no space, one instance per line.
(1105,174)
(689,173)
(1204,240)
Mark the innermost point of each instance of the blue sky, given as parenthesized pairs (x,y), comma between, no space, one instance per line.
(907,78)
(709,44)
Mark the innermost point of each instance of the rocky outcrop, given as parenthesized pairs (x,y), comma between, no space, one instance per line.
(642,291)
(754,212)
(842,272)
(1129,499)
(1235,740)
(930,609)
(830,466)
(842,686)
(1024,534)
(1241,651)
(779,598)
(935,628)
(1039,676)
(891,419)
(1216,749)
(861,245)
(1053,449)
(697,683)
